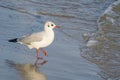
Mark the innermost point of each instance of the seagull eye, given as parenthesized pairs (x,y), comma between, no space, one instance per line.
(48,26)
(51,24)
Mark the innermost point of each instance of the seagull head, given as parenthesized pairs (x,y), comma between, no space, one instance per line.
(50,25)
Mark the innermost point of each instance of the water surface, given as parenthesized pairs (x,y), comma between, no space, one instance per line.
(76,17)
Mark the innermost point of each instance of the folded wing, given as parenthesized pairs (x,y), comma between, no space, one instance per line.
(35,37)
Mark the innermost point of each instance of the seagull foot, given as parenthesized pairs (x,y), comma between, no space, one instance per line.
(45,53)
(39,57)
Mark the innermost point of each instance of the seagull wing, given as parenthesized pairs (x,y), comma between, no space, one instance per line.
(35,37)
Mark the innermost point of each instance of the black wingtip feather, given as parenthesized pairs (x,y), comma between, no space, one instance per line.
(13,40)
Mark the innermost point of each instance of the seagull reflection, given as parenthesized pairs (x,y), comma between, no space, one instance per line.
(27,71)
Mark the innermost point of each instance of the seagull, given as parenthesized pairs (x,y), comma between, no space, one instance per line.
(38,40)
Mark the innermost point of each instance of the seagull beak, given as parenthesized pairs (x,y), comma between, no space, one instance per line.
(57,26)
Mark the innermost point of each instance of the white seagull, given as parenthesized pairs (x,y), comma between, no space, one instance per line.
(38,40)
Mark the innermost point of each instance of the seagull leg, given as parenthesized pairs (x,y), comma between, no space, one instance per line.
(38,57)
(36,62)
(44,52)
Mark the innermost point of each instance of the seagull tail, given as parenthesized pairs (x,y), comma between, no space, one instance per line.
(13,40)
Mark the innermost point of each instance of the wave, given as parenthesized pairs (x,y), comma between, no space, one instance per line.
(103,48)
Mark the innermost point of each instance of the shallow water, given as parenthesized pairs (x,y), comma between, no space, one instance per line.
(76,17)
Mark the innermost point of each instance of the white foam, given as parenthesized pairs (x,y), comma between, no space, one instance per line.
(91,43)
(109,10)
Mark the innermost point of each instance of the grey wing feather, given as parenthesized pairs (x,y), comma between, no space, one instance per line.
(32,38)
